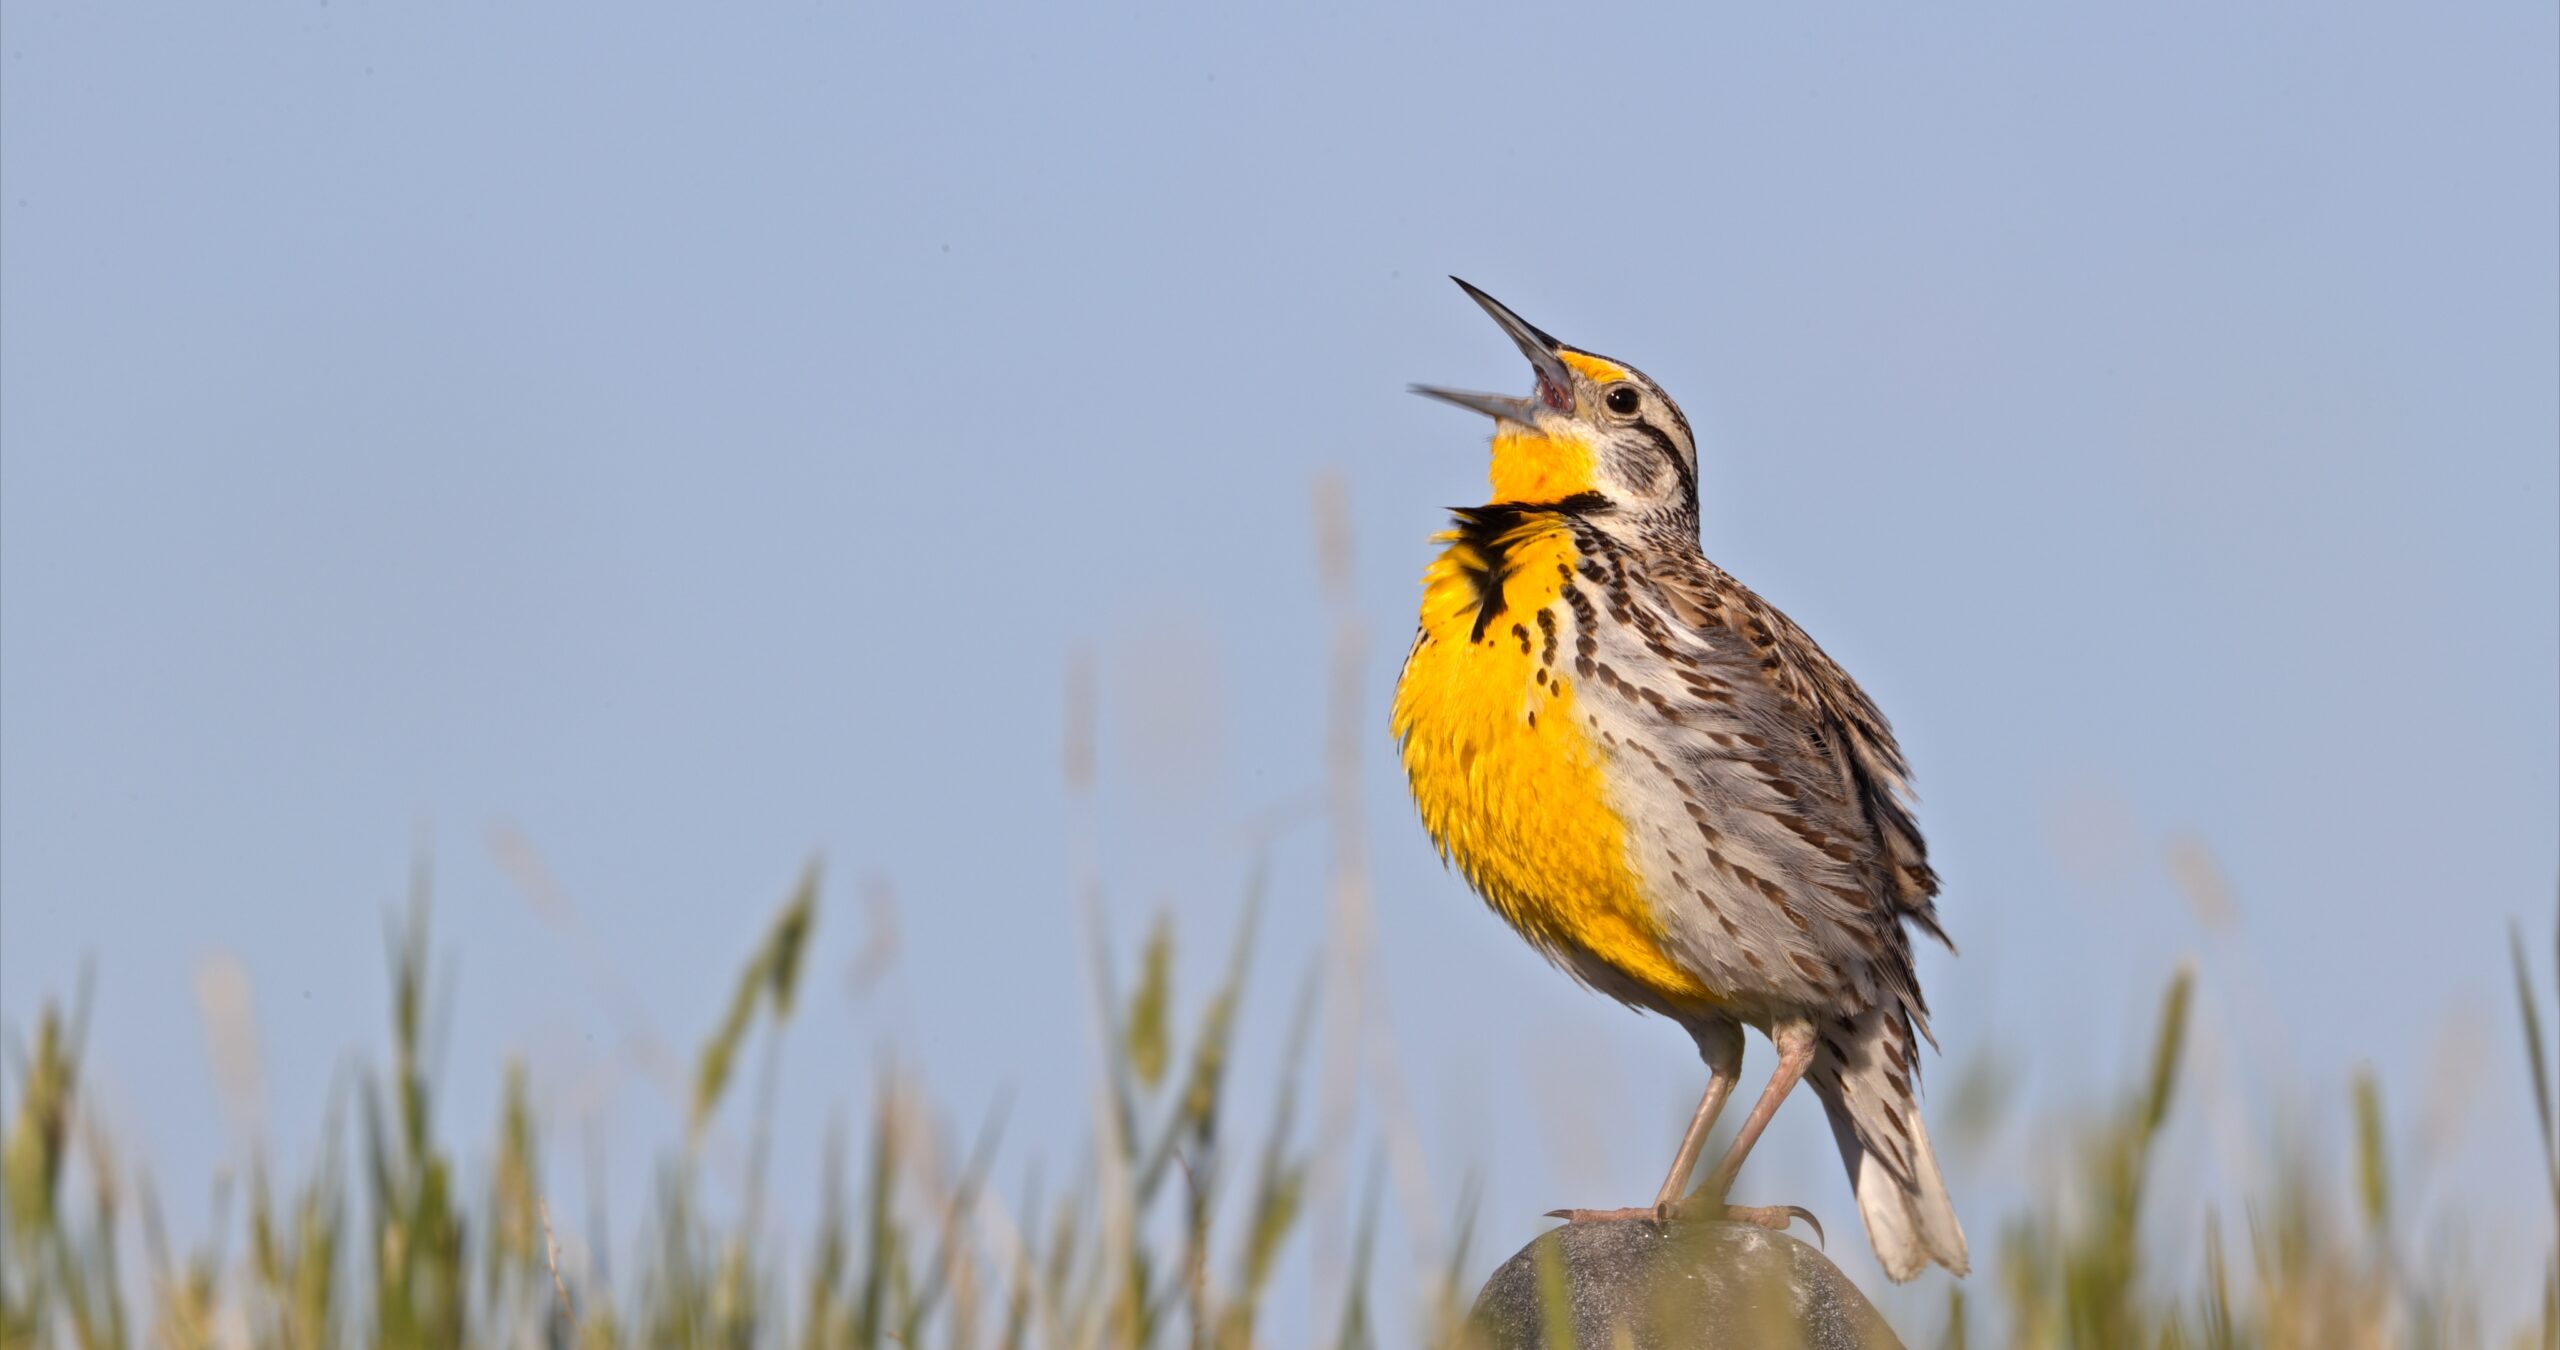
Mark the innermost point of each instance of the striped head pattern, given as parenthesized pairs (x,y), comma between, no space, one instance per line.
(1596,432)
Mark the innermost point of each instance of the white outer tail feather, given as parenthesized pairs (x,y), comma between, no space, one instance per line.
(1909,1224)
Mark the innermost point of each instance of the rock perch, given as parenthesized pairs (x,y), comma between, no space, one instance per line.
(1688,1286)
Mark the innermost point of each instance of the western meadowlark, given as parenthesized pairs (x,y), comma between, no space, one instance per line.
(1668,789)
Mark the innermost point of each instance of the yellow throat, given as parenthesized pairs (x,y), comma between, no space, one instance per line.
(1510,784)
(1532,466)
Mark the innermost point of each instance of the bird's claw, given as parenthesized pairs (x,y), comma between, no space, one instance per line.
(1653,1212)
(1775,1218)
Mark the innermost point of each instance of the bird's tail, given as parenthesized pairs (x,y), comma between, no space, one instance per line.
(1864,1079)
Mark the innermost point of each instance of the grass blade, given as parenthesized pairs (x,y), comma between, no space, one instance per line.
(2373,1174)
(2529,1009)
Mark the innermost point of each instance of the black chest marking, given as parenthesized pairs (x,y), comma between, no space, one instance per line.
(1491,530)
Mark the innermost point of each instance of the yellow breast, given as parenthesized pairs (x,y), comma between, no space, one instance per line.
(1510,786)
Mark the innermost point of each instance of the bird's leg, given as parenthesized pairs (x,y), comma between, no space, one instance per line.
(1720,1045)
(1795,1044)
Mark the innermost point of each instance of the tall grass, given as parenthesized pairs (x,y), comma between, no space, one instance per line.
(1176,1226)
(399,1250)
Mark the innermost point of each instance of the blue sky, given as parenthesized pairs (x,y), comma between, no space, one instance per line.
(700,441)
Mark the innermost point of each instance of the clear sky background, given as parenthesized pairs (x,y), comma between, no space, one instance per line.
(702,440)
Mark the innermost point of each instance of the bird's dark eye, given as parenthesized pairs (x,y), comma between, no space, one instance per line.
(1623,399)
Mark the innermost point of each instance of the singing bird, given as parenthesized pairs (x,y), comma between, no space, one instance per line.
(1667,788)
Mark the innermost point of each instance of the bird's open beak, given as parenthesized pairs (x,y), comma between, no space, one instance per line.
(1555,382)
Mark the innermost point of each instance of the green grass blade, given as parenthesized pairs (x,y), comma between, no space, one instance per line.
(788,940)
(2373,1170)
(2530,1010)
(1555,1294)
(2167,1046)
(1150,1012)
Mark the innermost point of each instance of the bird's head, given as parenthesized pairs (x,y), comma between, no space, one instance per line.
(1593,427)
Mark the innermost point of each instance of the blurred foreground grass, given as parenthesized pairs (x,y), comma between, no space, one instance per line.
(1170,1238)
(1175,1227)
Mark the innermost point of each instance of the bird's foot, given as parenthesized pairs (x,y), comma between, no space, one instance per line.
(1653,1212)
(1775,1218)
